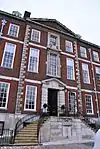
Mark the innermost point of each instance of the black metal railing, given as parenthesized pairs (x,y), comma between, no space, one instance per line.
(24,121)
(6,137)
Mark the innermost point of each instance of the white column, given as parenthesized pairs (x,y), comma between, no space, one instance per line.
(61,99)
(44,96)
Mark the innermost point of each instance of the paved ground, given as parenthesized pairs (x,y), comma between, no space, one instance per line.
(66,146)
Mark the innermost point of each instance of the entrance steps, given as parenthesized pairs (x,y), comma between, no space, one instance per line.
(66,129)
(27,136)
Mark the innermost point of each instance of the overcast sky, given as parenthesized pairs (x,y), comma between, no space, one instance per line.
(81,16)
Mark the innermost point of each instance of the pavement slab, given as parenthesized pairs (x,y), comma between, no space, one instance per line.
(63,146)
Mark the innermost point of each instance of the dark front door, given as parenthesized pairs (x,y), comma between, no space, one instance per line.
(52,102)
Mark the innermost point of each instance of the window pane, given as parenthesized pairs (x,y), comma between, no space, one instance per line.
(95,56)
(69,46)
(33,60)
(30,97)
(3,94)
(35,36)
(13,31)
(85,71)
(53,65)
(8,55)
(83,52)
(89,104)
(70,69)
(53,41)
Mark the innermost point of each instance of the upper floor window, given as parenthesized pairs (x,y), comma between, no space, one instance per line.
(86,78)
(30,98)
(98,70)
(95,56)
(53,41)
(70,69)
(83,52)
(4,90)
(89,104)
(13,30)
(8,56)
(53,64)
(33,60)
(69,46)
(35,35)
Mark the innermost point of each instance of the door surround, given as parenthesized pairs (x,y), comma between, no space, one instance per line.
(56,84)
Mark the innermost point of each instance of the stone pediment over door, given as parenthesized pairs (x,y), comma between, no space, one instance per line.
(54,84)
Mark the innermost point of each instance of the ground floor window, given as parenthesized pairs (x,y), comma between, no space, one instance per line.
(1,127)
(72,103)
(89,104)
(30,97)
(4,89)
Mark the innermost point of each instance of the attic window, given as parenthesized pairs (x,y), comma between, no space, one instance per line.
(53,41)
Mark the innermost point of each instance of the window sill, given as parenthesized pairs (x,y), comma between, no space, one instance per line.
(53,76)
(52,48)
(12,36)
(30,110)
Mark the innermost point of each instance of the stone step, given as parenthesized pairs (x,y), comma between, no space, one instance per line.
(25,144)
(26,137)
(26,141)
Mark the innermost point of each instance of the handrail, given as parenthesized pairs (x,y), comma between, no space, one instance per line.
(27,119)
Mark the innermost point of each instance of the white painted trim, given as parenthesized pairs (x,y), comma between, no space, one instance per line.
(71,87)
(35,99)
(36,67)
(10,39)
(39,35)
(7,95)
(12,58)
(91,104)
(54,79)
(84,60)
(67,54)
(9,78)
(36,45)
(33,81)
(10,27)
(94,63)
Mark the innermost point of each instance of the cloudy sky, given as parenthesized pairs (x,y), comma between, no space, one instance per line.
(81,16)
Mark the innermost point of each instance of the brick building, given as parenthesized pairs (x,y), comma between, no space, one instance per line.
(44,62)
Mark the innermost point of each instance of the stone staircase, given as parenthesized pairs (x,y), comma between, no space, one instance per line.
(27,135)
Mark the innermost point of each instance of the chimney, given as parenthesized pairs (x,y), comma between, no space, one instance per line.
(27,14)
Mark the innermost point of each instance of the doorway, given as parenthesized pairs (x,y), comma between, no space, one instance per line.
(52,102)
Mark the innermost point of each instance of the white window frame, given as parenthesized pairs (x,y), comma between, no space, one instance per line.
(37,68)
(58,67)
(39,35)
(57,47)
(75,102)
(7,95)
(81,52)
(10,27)
(4,55)
(86,65)
(35,99)
(97,54)
(69,42)
(91,104)
(73,68)
(97,70)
